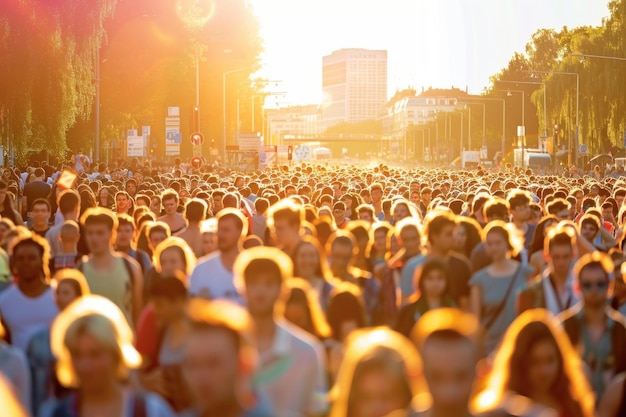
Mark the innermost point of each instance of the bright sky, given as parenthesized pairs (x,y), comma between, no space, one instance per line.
(438,43)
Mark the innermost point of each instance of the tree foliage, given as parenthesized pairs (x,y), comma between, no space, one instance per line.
(601,98)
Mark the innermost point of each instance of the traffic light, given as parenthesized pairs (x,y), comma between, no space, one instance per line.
(290,153)
(556,134)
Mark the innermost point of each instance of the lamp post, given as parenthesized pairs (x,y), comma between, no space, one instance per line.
(224,104)
(612,58)
(576,145)
(503,118)
(477,104)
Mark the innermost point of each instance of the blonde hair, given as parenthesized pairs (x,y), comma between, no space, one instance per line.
(10,403)
(266,254)
(509,232)
(384,345)
(103,320)
(497,385)
(175,242)
(75,277)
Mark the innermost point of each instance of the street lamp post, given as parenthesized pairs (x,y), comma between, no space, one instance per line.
(224,105)
(503,118)
(469,125)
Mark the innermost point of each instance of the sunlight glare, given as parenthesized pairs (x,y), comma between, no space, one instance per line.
(195,14)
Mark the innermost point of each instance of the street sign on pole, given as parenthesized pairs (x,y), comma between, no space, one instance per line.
(172,132)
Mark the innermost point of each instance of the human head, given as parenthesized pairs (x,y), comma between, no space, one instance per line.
(30,257)
(195,210)
(559,249)
(93,344)
(261,273)
(69,202)
(589,227)
(284,220)
(232,227)
(448,341)
(302,308)
(100,225)
(218,358)
(174,255)
(40,211)
(71,285)
(500,238)
(439,226)
(594,279)
(380,374)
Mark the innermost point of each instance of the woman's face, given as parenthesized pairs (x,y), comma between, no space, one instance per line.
(307,260)
(460,239)
(400,212)
(65,294)
(104,195)
(543,366)
(415,197)
(172,262)
(155,205)
(377,393)
(434,283)
(496,246)
(209,242)
(94,363)
(380,240)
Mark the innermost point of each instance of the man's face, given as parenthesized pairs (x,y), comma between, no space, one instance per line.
(98,237)
(341,257)
(121,202)
(365,216)
(27,262)
(426,197)
(155,205)
(377,195)
(217,203)
(410,240)
(131,188)
(561,257)
(228,234)
(444,241)
(449,368)
(211,368)
(595,287)
(170,206)
(380,393)
(284,231)
(124,236)
(262,293)
(589,232)
(521,213)
(40,214)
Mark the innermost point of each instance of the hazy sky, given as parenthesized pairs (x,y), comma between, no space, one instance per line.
(438,43)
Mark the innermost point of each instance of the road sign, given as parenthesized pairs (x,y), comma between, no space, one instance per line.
(196,162)
(583,150)
(172,132)
(197,139)
(135,146)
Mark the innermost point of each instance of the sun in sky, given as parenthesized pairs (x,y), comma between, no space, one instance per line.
(430,43)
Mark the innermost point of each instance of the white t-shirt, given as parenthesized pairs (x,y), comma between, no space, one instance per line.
(211,280)
(25,316)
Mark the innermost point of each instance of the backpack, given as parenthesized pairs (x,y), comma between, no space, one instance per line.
(66,407)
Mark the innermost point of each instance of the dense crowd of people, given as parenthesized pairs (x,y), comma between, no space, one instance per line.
(311,290)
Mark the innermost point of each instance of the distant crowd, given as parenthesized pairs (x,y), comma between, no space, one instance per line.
(311,290)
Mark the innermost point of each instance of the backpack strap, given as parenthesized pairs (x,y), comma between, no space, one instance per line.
(140,408)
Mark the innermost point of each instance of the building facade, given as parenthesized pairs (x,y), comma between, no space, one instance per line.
(354,83)
(292,123)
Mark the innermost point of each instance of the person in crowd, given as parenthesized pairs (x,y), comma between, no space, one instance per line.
(365,213)
(439,227)
(110,273)
(596,330)
(172,217)
(124,244)
(219,360)
(554,287)
(195,214)
(284,221)
(519,208)
(537,370)
(261,274)
(381,374)
(28,307)
(494,288)
(212,278)
(208,228)
(7,211)
(14,368)
(70,285)
(310,264)
(449,344)
(105,198)
(156,232)
(124,203)
(376,192)
(345,313)
(341,250)
(378,246)
(467,236)
(40,216)
(302,308)
(34,190)
(69,206)
(537,249)
(432,282)
(494,209)
(92,342)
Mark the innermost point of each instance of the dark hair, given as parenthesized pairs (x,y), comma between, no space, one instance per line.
(68,200)
(171,288)
(472,231)
(257,267)
(528,337)
(344,306)
(432,264)
(195,210)
(42,202)
(539,233)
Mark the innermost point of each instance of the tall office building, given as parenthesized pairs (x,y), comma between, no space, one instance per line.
(354,83)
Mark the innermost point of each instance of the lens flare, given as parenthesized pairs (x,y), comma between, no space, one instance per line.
(195,14)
